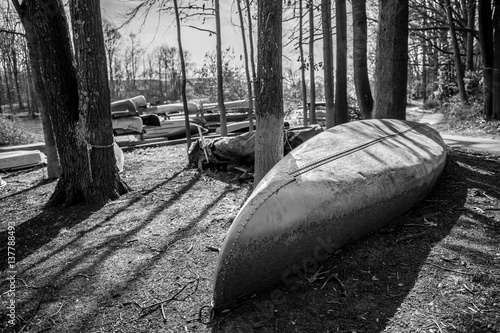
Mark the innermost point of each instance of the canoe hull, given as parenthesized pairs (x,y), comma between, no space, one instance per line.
(334,188)
(19,159)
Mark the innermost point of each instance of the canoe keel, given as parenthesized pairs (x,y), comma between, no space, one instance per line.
(334,188)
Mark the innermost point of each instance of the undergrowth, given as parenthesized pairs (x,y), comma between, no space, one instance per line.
(12,133)
(469,120)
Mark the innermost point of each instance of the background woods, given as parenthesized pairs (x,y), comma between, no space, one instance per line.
(450,55)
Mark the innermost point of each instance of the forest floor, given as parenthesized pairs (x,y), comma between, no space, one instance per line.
(144,263)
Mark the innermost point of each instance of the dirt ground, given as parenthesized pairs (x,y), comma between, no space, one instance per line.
(144,263)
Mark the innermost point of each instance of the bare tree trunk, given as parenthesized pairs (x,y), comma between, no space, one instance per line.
(391,63)
(220,76)
(302,65)
(424,58)
(485,25)
(94,124)
(250,42)
(341,107)
(84,139)
(269,90)
(471,22)
(360,62)
(496,63)
(15,72)
(53,165)
(312,81)
(7,85)
(247,68)
(183,78)
(456,51)
(326,18)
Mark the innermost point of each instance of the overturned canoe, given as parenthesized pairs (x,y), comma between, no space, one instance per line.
(19,159)
(336,187)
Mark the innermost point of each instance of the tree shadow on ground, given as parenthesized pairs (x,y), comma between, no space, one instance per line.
(362,286)
(60,278)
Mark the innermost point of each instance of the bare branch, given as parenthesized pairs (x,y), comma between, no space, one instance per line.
(201,29)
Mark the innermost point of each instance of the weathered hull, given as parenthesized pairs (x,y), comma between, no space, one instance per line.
(19,159)
(334,188)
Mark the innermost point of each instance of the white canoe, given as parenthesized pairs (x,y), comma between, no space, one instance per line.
(238,127)
(19,159)
(127,124)
(332,189)
(241,104)
(171,108)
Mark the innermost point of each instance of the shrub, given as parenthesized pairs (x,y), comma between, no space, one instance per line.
(12,133)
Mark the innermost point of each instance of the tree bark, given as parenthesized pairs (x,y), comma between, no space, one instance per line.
(391,60)
(302,65)
(360,62)
(471,23)
(328,68)
(183,78)
(456,54)
(247,67)
(496,63)
(341,107)
(220,76)
(15,73)
(84,139)
(485,26)
(269,92)
(250,43)
(101,181)
(312,80)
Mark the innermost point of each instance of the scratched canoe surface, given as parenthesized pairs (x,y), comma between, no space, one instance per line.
(334,188)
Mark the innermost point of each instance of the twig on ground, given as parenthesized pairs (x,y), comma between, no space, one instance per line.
(211,248)
(35,313)
(87,276)
(150,309)
(449,269)
(412,236)
(339,282)
(211,314)
(163,313)
(438,326)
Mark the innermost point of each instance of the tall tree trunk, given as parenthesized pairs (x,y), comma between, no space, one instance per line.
(53,165)
(485,25)
(183,78)
(220,76)
(7,84)
(312,80)
(496,63)
(424,58)
(326,20)
(84,139)
(471,23)
(391,60)
(269,90)
(341,107)
(247,68)
(250,43)
(302,64)
(15,73)
(360,62)
(456,53)
(94,123)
